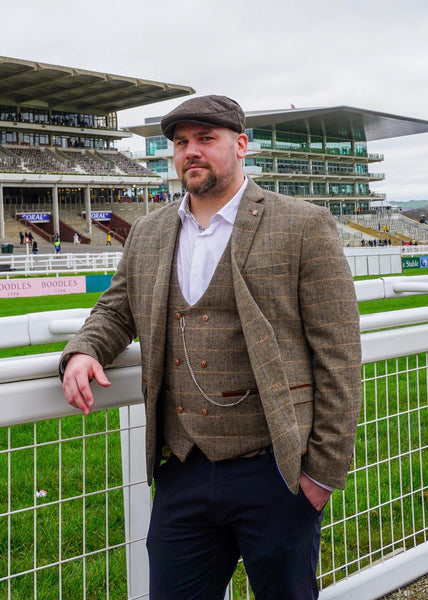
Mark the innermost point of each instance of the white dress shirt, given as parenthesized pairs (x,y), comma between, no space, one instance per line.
(200,250)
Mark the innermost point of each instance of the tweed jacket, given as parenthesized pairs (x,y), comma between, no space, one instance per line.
(296,302)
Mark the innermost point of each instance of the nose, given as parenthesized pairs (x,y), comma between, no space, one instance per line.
(192,148)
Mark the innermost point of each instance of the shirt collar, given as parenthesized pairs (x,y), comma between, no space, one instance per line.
(228,212)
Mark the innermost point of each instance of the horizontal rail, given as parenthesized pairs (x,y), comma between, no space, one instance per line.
(38,264)
(370,583)
(391,287)
(41,327)
(46,392)
(394,318)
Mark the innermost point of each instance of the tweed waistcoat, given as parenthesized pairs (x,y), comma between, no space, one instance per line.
(218,357)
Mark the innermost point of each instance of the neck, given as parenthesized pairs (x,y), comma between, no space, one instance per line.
(204,206)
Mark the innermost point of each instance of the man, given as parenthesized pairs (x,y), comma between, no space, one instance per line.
(245,310)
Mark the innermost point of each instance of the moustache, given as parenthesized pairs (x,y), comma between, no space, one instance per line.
(194,163)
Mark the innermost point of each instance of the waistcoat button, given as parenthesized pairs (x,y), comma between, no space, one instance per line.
(177,315)
(180,409)
(204,412)
(204,364)
(205,318)
(177,362)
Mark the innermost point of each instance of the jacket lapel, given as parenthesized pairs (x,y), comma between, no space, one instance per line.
(263,349)
(246,223)
(168,234)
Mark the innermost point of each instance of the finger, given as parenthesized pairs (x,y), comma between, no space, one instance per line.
(78,393)
(100,376)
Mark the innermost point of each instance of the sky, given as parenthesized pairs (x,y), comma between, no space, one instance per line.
(266,54)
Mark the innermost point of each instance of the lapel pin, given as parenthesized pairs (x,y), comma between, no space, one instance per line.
(254,212)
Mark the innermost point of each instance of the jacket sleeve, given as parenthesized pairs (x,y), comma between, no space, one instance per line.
(330,317)
(110,326)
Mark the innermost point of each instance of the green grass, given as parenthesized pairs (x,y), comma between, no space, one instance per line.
(58,468)
(392,414)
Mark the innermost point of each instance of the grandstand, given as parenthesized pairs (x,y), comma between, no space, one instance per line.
(60,170)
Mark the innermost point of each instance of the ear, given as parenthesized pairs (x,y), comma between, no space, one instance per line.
(241,145)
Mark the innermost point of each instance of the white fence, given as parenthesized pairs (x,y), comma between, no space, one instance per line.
(77,540)
(38,264)
(362,261)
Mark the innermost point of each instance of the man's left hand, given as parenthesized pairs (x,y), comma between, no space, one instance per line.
(317,495)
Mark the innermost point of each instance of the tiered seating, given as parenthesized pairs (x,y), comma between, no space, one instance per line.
(126,165)
(9,164)
(18,159)
(37,161)
(90,165)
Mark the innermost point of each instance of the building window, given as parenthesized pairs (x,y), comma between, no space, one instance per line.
(318,166)
(344,168)
(26,139)
(338,146)
(343,189)
(363,189)
(361,148)
(40,115)
(158,166)
(316,144)
(9,137)
(156,143)
(267,185)
(262,137)
(87,120)
(293,166)
(291,141)
(41,139)
(8,113)
(26,115)
(320,189)
(294,188)
(266,164)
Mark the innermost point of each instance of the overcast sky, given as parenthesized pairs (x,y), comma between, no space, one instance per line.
(267,54)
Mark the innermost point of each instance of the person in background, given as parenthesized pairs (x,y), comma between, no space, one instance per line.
(245,310)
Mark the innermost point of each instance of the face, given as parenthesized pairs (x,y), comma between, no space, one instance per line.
(208,159)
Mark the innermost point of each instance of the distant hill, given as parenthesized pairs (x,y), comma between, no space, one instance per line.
(412,204)
(413,208)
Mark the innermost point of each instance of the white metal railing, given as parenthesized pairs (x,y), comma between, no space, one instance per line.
(363,261)
(374,533)
(39,264)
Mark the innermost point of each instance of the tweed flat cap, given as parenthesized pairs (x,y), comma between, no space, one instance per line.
(219,111)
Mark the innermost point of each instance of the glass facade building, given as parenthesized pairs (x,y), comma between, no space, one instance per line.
(321,155)
(325,161)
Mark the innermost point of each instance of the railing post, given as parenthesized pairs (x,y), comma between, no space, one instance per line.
(137,498)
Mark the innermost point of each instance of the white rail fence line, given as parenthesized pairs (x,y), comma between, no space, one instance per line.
(40,264)
(362,261)
(375,532)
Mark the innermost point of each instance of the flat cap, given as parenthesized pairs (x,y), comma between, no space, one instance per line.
(219,111)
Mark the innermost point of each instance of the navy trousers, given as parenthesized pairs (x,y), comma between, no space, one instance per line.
(206,515)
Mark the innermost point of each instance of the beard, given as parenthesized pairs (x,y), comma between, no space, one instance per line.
(197,187)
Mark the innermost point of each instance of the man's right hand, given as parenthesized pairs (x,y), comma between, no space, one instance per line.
(79,371)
